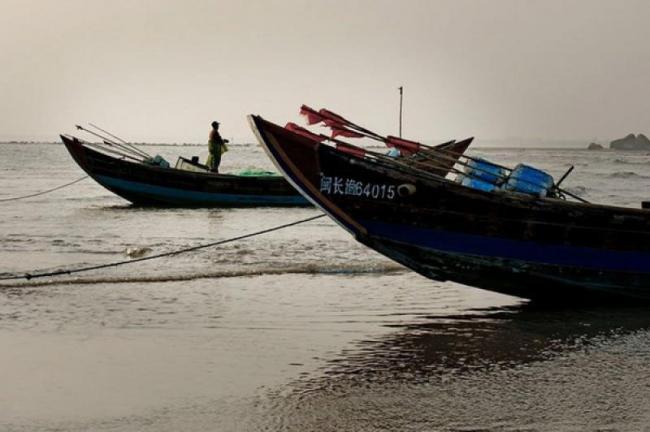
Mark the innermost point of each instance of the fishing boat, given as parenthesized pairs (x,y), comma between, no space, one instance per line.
(540,246)
(147,182)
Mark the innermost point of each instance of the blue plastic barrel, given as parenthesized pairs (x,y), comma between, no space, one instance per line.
(529,180)
(485,170)
(475,183)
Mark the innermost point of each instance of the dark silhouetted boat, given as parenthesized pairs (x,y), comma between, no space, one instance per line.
(534,247)
(188,185)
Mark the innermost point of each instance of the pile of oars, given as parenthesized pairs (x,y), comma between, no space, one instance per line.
(428,167)
(420,158)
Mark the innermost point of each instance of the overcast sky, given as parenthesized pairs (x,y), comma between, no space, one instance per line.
(162,70)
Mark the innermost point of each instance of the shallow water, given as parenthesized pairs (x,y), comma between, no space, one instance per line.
(299,329)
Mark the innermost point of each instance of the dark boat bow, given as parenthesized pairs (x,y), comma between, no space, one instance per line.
(506,242)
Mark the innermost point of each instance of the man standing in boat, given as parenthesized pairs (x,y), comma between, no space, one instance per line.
(216,147)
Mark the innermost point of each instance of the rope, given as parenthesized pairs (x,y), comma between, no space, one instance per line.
(30,276)
(43,192)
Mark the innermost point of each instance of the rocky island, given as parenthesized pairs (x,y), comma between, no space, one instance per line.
(631,142)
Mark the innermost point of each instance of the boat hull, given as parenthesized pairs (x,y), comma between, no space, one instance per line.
(515,244)
(148,185)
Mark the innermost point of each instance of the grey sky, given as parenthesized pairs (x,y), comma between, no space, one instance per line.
(161,70)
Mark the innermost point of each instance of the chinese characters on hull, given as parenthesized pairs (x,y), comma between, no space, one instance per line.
(345,186)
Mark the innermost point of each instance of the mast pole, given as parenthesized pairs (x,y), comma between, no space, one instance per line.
(401,97)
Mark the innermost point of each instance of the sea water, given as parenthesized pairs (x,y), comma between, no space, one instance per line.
(300,329)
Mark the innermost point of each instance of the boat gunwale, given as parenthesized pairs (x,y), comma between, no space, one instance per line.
(163,170)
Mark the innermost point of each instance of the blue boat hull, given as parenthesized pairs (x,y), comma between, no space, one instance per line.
(138,192)
(545,278)
(149,185)
(536,248)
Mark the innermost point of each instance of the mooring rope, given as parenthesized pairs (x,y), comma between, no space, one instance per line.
(41,274)
(44,192)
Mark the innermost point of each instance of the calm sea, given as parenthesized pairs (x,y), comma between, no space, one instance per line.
(301,329)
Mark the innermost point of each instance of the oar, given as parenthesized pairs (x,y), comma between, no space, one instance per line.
(436,154)
(359,151)
(138,150)
(108,150)
(107,141)
(332,119)
(314,117)
(340,124)
(395,162)
(329,118)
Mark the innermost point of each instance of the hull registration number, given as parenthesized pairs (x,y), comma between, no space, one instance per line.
(345,186)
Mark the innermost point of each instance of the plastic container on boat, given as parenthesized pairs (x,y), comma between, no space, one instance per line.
(475,183)
(529,180)
(485,171)
(158,161)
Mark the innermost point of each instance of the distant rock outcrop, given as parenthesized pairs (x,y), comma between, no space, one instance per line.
(631,142)
(643,141)
(595,146)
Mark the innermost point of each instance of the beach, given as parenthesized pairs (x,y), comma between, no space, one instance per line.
(299,329)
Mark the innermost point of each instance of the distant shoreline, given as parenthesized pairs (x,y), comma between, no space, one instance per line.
(476,146)
(137,144)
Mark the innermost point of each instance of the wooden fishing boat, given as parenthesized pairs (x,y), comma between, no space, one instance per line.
(150,185)
(130,173)
(512,243)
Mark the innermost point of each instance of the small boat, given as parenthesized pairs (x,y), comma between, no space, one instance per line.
(189,184)
(537,247)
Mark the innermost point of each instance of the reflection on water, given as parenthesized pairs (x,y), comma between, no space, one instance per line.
(521,367)
(485,340)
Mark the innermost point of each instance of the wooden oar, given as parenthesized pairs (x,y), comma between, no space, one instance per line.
(138,150)
(332,117)
(109,142)
(108,150)
(362,152)
(395,162)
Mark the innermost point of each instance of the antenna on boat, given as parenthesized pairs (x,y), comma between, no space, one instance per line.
(401,98)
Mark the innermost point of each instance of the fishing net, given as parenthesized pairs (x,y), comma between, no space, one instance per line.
(256,172)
